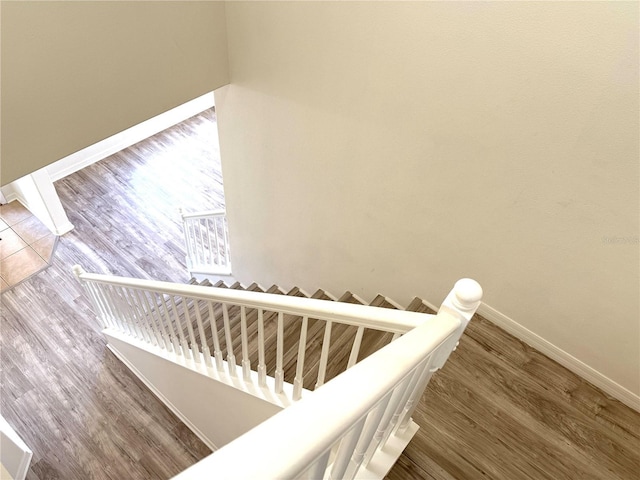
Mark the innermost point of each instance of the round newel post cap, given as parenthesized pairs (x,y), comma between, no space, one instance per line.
(468,294)
(78,270)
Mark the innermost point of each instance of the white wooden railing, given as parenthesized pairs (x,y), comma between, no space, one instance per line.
(207,242)
(346,428)
(343,428)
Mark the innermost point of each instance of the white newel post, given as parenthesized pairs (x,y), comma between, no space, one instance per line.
(461,302)
(464,299)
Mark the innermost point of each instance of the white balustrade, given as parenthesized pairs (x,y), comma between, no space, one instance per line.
(207,242)
(197,324)
(337,431)
(333,432)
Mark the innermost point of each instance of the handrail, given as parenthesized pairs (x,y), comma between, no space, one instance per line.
(298,440)
(337,429)
(396,321)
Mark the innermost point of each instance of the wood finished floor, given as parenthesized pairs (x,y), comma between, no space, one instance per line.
(82,412)
(498,409)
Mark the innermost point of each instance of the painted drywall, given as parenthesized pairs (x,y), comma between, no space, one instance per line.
(75,73)
(216,412)
(394,147)
(15,455)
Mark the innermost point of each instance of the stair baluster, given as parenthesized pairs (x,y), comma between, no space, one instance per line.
(379,410)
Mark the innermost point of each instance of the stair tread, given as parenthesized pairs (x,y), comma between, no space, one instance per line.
(254,287)
(384,302)
(418,305)
(349,297)
(275,289)
(322,295)
(296,292)
(341,339)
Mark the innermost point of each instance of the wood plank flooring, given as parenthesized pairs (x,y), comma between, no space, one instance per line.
(498,409)
(81,411)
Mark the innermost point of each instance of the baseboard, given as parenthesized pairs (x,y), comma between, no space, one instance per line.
(163,399)
(96,152)
(11,195)
(565,359)
(56,230)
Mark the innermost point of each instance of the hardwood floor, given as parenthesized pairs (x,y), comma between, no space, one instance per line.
(498,409)
(82,412)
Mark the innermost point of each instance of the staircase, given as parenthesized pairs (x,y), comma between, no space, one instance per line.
(346,344)
(279,384)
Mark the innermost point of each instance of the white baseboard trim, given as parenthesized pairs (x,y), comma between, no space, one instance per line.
(58,230)
(96,152)
(565,359)
(163,399)
(10,194)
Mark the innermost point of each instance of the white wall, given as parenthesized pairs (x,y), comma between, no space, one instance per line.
(395,147)
(218,413)
(74,73)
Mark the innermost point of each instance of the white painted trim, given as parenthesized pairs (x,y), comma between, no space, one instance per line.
(15,456)
(9,194)
(227,279)
(386,457)
(563,358)
(38,195)
(93,153)
(211,271)
(163,398)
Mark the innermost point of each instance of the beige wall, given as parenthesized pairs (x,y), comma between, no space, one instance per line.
(74,73)
(396,147)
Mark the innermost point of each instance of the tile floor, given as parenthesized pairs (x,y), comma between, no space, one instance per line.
(26,245)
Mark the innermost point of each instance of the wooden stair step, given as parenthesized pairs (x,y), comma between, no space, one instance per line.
(296,292)
(418,305)
(254,287)
(276,290)
(341,341)
(323,295)
(251,315)
(374,340)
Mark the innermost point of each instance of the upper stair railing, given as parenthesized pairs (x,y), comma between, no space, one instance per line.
(220,329)
(349,428)
(207,242)
(348,422)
